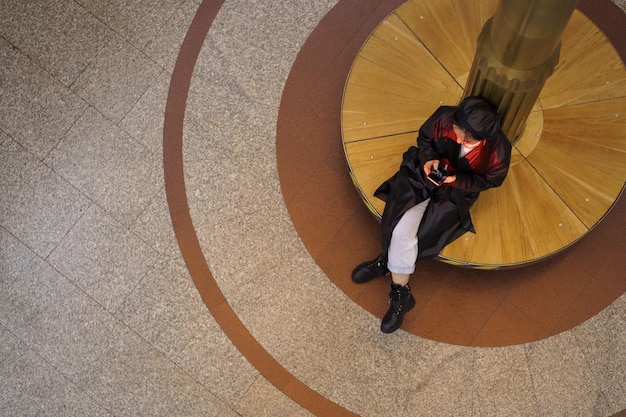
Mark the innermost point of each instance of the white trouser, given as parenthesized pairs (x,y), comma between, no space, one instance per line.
(402,253)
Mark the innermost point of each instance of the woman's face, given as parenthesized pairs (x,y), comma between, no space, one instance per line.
(463,137)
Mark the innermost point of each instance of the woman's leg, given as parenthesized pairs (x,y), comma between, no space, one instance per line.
(400,279)
(403,248)
(402,256)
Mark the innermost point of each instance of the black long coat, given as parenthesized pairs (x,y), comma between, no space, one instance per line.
(447,216)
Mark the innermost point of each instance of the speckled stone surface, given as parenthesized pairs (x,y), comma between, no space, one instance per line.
(98,313)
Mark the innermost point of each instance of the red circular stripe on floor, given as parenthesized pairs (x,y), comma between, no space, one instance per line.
(454,305)
(339,231)
(187,238)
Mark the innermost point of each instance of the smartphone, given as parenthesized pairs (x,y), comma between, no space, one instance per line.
(438,175)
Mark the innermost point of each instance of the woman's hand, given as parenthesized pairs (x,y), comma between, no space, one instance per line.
(449,179)
(431,165)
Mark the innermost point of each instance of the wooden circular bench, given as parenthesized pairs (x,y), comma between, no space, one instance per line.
(569,166)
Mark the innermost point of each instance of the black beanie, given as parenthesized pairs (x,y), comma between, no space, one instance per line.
(478,117)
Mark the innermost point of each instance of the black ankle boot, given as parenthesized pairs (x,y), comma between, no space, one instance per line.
(369,270)
(400,301)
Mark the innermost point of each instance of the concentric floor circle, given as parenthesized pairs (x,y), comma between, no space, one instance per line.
(568,168)
(338,231)
(455,305)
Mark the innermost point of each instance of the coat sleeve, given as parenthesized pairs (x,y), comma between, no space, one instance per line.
(429,148)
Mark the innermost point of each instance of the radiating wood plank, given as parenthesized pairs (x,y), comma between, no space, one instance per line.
(448,28)
(583,156)
(374,161)
(522,221)
(368,114)
(569,166)
(488,247)
(394,83)
(589,68)
(530,136)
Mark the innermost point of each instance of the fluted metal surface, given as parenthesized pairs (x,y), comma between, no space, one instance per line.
(517,51)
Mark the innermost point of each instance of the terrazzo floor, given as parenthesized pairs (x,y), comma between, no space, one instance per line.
(159,254)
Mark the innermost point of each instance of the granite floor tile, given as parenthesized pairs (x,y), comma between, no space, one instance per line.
(372,380)
(231,170)
(339,368)
(35,109)
(239,24)
(225,189)
(259,76)
(213,80)
(32,310)
(255,58)
(144,121)
(37,206)
(212,359)
(601,341)
(97,352)
(138,22)
(108,166)
(212,216)
(109,322)
(502,384)
(31,386)
(414,376)
(264,400)
(571,388)
(14,257)
(328,45)
(227,243)
(154,225)
(243,128)
(284,285)
(8,345)
(171,320)
(441,371)
(192,399)
(164,47)
(206,135)
(103,258)
(59,35)
(116,79)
